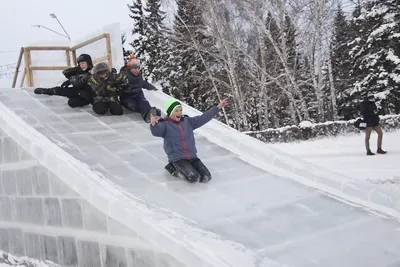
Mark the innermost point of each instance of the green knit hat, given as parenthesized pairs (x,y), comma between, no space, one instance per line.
(171,105)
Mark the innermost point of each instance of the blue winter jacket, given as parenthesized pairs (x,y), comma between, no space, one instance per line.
(179,142)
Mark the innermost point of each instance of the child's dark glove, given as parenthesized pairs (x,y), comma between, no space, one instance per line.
(153,88)
(85,77)
(65,84)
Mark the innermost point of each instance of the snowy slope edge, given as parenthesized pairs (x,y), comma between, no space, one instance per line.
(272,160)
(166,231)
(7,259)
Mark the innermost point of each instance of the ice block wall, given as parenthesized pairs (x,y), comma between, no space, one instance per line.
(43,218)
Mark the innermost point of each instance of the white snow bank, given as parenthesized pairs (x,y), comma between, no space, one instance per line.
(306,124)
(7,259)
(346,155)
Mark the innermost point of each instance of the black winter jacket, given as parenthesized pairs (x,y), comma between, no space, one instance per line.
(136,83)
(79,80)
(369,113)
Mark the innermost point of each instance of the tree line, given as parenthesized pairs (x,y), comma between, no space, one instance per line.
(279,62)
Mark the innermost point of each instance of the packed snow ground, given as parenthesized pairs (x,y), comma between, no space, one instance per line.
(7,259)
(346,155)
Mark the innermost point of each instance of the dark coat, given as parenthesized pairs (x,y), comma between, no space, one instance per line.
(369,113)
(136,83)
(77,77)
(108,90)
(79,81)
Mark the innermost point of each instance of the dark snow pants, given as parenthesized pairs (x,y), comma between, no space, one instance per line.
(137,103)
(74,95)
(192,170)
(101,108)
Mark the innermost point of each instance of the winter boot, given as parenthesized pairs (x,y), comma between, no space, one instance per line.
(205,179)
(45,91)
(380,151)
(147,116)
(171,169)
(369,152)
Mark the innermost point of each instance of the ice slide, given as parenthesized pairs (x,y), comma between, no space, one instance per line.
(86,190)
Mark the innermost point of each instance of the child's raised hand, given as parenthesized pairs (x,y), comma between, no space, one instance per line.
(153,120)
(223,103)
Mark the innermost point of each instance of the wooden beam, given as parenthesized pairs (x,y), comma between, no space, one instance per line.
(100,59)
(109,51)
(48,67)
(21,53)
(51,48)
(95,39)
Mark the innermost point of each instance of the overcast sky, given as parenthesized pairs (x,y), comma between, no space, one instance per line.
(77,16)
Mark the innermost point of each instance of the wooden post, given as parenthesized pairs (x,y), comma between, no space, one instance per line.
(21,53)
(23,78)
(109,51)
(68,57)
(27,65)
(30,81)
(74,57)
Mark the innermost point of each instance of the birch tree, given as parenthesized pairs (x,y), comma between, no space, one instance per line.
(221,29)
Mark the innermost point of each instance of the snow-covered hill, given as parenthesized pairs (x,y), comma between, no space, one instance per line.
(346,155)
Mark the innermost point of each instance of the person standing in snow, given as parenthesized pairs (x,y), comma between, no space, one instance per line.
(80,94)
(133,99)
(179,142)
(107,86)
(371,118)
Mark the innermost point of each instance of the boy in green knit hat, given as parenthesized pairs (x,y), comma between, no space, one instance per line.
(179,142)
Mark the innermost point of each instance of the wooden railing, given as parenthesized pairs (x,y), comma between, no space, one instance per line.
(25,53)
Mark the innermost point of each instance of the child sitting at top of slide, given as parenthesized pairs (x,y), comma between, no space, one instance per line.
(179,141)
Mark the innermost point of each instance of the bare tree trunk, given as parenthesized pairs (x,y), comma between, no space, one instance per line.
(222,29)
(332,87)
(318,77)
(263,80)
(295,90)
(315,39)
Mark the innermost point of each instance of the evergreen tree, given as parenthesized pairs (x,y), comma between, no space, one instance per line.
(155,44)
(290,34)
(377,54)
(138,27)
(341,65)
(281,110)
(191,58)
(125,52)
(275,68)
(299,66)
(358,27)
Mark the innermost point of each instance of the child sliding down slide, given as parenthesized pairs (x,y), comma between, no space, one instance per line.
(179,143)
